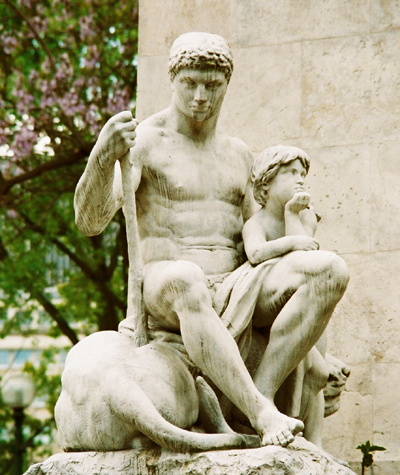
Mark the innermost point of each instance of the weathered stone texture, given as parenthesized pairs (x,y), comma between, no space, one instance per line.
(352,314)
(345,212)
(154,86)
(271,22)
(385,15)
(335,90)
(162,22)
(353,423)
(386,426)
(385,195)
(275,86)
(302,458)
(323,76)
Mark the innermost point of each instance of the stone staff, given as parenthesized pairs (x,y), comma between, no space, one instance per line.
(136,316)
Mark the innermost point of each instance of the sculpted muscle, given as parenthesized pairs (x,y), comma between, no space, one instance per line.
(189,201)
(192,194)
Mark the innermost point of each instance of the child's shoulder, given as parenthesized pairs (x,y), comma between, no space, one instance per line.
(259,220)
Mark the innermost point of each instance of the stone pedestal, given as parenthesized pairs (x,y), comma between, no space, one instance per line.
(300,458)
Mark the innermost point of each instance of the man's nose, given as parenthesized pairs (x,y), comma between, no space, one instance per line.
(200,94)
(300,180)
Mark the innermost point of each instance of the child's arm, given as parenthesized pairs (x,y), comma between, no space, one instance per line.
(299,219)
(259,249)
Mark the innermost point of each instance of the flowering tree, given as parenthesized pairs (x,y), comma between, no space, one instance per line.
(66,66)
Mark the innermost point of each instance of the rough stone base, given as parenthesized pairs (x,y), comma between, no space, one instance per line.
(300,458)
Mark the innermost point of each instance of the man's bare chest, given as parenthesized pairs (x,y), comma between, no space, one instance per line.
(192,174)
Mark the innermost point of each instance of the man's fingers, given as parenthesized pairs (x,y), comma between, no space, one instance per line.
(128,133)
(131,125)
(124,116)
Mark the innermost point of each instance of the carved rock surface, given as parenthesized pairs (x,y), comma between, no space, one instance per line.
(300,458)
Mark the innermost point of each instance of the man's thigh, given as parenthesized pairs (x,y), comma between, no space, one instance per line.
(164,283)
(286,276)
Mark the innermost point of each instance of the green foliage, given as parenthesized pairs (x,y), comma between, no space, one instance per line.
(66,66)
(367,449)
(38,433)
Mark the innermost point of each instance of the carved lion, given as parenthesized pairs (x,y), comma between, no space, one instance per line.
(114,394)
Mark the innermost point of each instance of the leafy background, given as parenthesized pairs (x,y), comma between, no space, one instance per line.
(66,66)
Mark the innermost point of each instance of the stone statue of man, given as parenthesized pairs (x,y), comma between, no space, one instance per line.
(193,194)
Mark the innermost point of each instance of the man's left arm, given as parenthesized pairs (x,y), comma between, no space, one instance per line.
(249,206)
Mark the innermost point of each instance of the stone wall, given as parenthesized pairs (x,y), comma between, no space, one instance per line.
(324,76)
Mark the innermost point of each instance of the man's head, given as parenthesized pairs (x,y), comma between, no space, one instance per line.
(267,165)
(200,67)
(200,51)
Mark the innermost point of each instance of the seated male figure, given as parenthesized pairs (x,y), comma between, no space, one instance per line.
(192,186)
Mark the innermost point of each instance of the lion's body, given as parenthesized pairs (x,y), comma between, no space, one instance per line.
(113,392)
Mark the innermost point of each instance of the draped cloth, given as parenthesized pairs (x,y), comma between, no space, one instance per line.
(234,302)
(234,299)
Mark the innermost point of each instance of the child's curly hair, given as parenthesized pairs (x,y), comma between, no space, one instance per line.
(267,165)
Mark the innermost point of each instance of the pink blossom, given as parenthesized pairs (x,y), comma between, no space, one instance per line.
(25,3)
(79,82)
(33,75)
(49,96)
(10,169)
(71,104)
(92,118)
(65,70)
(46,66)
(23,143)
(25,101)
(91,60)
(87,32)
(40,24)
(12,214)
(9,44)
(4,131)
(118,101)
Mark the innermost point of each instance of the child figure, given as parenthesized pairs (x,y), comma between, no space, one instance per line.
(285,223)
(286,287)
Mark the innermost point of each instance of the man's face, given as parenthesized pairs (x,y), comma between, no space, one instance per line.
(288,181)
(199,94)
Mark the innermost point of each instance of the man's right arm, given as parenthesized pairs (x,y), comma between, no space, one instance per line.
(99,193)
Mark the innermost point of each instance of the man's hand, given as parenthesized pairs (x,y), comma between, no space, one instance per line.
(116,138)
(299,202)
(304,243)
(135,329)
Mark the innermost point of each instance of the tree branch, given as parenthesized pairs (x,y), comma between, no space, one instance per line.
(114,255)
(93,274)
(56,316)
(35,33)
(5,185)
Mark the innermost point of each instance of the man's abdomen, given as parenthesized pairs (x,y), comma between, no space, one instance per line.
(207,233)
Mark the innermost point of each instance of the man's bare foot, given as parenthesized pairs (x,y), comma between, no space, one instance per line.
(275,428)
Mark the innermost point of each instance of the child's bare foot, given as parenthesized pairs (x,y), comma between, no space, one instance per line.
(275,428)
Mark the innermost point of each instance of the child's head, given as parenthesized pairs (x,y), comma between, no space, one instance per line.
(267,165)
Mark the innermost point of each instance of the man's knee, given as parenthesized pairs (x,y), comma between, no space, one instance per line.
(182,276)
(170,282)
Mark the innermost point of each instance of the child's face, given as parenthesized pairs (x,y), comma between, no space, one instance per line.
(288,181)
